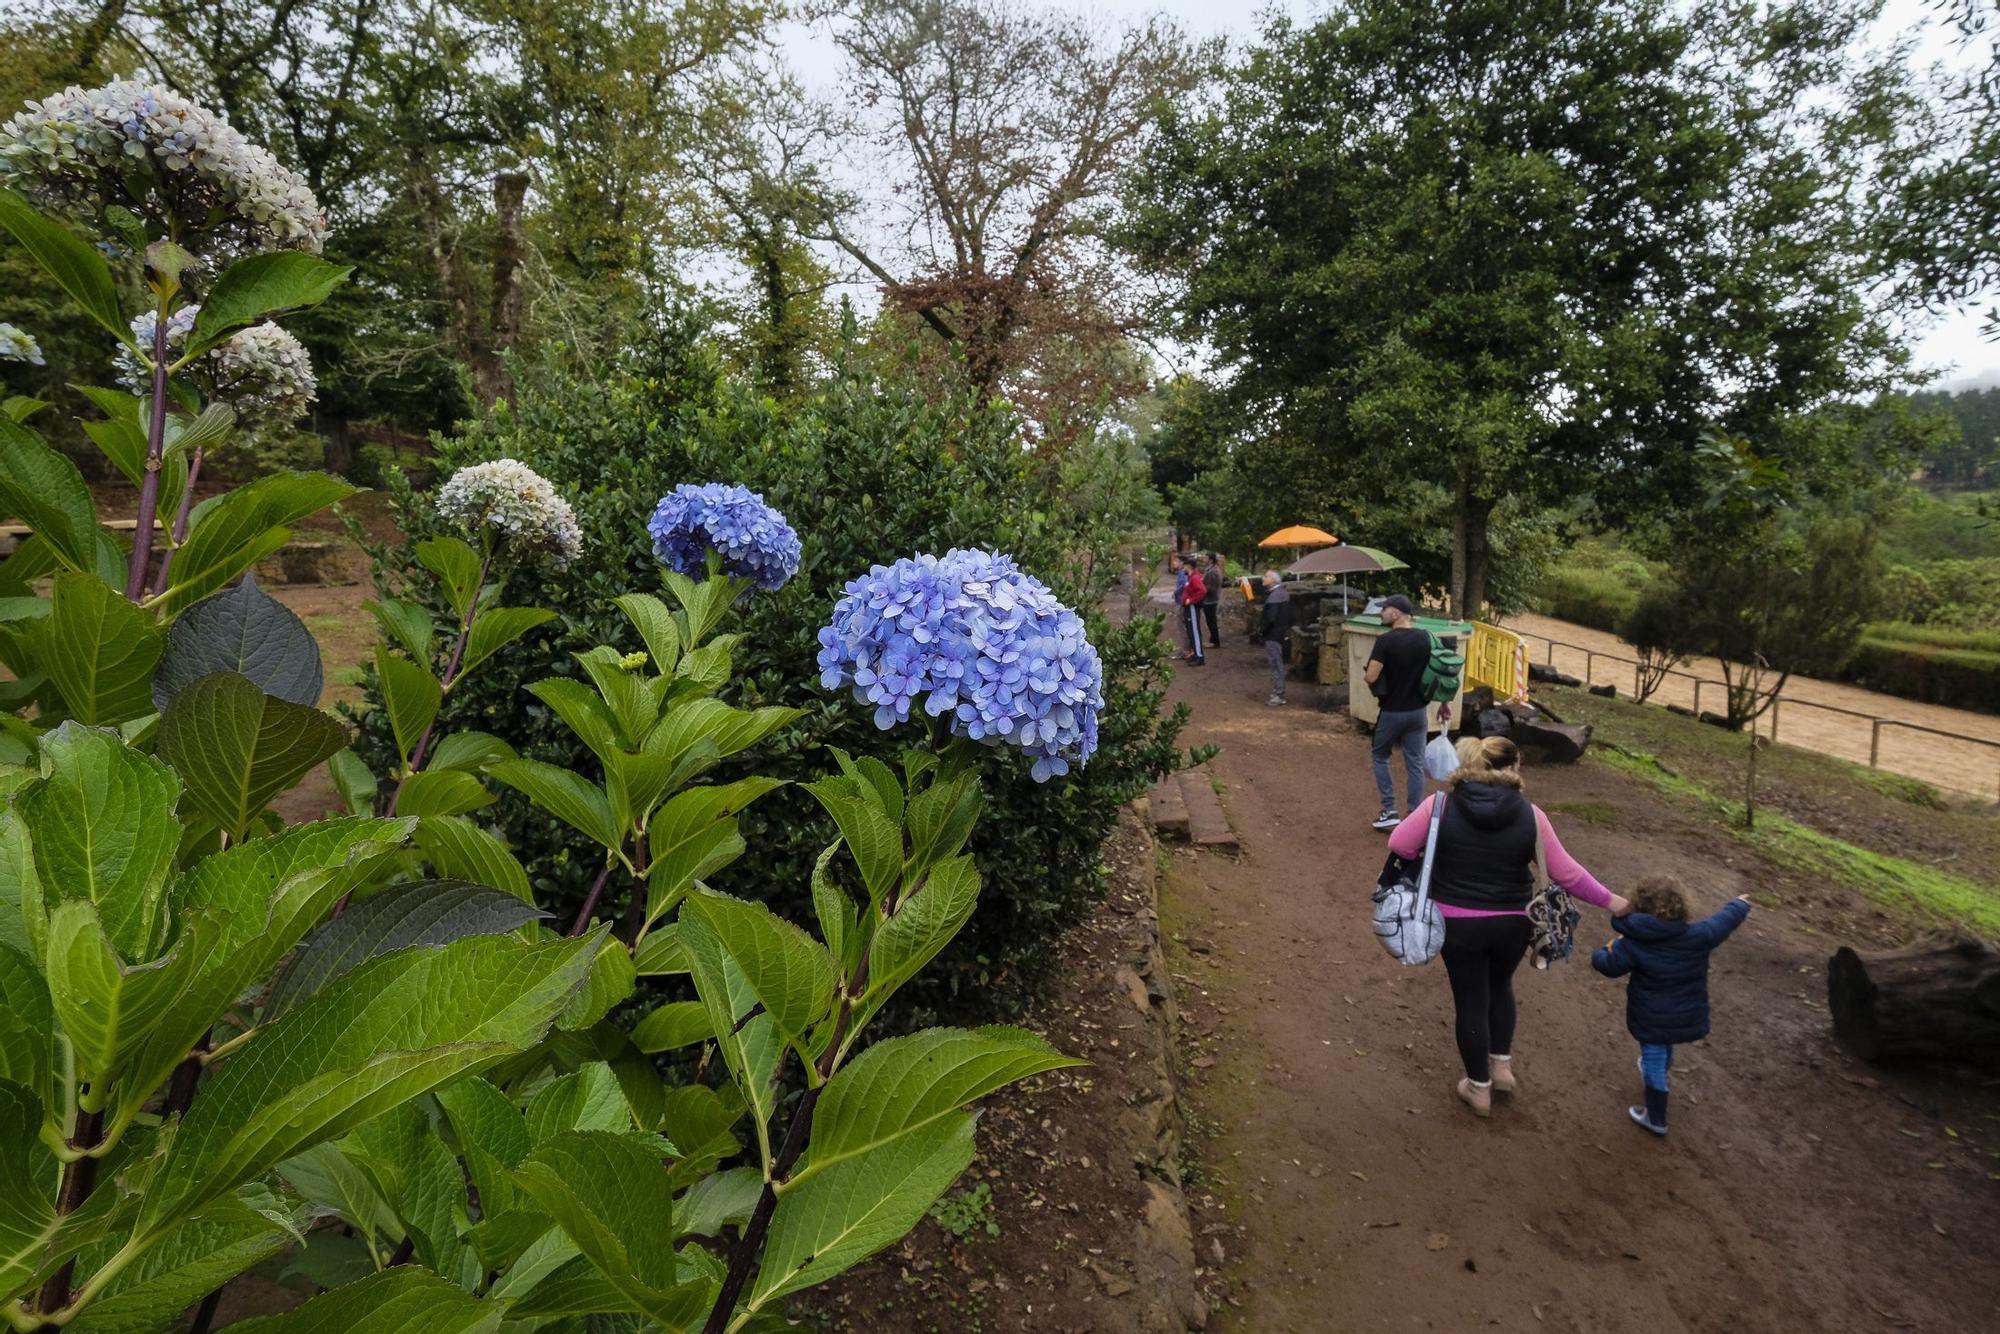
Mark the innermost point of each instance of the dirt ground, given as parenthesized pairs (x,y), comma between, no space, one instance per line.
(1966,760)
(1800,1190)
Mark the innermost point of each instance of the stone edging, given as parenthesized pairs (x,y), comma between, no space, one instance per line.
(1162,1250)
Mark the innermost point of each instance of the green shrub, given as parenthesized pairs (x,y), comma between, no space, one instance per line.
(1907,590)
(1964,678)
(868,467)
(1594,597)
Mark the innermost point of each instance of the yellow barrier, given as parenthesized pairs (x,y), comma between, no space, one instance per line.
(1498,660)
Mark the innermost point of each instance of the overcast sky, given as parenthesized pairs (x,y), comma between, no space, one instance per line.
(1951,342)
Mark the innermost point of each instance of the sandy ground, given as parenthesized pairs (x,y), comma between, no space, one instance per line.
(1800,1190)
(1965,759)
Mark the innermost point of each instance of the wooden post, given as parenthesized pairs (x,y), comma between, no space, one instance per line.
(1875,744)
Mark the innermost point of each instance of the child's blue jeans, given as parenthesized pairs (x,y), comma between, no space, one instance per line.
(1655,1059)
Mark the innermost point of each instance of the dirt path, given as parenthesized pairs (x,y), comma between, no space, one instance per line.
(1806,710)
(1350,1191)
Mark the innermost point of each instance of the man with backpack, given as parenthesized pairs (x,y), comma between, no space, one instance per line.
(1396,674)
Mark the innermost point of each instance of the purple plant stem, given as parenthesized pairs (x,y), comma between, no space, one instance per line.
(149,485)
(180,529)
(582,922)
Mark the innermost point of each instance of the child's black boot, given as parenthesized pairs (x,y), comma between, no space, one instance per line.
(1653,1116)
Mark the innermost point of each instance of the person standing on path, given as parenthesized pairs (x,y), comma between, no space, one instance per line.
(1274,629)
(1491,840)
(1211,601)
(1666,1003)
(1191,590)
(1396,674)
(1179,569)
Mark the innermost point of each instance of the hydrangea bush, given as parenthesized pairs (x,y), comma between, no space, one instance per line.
(222,1038)
(987,647)
(867,464)
(180,169)
(730,525)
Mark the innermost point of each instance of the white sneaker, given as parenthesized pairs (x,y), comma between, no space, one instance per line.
(1273,702)
(1388,820)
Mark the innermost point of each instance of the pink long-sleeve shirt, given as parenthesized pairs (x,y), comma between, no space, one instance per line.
(1407,841)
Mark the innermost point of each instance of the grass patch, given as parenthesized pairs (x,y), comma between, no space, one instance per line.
(1913,791)
(1590,812)
(1894,882)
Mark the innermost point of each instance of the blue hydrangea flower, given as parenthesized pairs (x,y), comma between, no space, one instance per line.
(986,646)
(753,540)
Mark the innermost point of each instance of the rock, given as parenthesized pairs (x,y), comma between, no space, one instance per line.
(1605,691)
(1135,989)
(1113,1285)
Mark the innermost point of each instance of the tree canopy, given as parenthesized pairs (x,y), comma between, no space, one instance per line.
(1524,249)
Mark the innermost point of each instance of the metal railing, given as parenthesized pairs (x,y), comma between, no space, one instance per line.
(1767,725)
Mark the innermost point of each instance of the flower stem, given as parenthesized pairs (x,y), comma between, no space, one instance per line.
(635,911)
(78,1180)
(179,531)
(582,922)
(743,1258)
(445,682)
(149,484)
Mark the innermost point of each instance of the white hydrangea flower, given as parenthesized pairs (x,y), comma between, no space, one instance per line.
(263,371)
(19,345)
(518,503)
(144,148)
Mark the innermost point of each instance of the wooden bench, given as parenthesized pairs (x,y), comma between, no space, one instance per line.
(13,534)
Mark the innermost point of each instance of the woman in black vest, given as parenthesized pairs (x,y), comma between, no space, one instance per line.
(1482,881)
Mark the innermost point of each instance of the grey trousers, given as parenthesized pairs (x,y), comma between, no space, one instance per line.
(1274,653)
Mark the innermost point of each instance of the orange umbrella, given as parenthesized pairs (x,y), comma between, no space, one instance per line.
(1300,535)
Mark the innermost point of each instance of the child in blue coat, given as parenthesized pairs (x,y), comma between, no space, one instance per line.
(1667,1000)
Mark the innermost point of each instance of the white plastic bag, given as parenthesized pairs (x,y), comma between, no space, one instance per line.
(1440,758)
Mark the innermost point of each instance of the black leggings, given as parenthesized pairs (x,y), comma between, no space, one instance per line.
(1480,955)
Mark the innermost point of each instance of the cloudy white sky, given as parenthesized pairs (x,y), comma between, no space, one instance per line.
(1951,342)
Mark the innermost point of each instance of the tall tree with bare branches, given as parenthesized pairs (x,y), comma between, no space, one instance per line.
(999,131)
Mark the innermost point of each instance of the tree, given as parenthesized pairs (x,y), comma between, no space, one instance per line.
(1654,629)
(1767,581)
(1941,223)
(763,178)
(1002,131)
(1515,249)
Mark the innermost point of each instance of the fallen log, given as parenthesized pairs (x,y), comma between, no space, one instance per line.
(1550,742)
(1930,1002)
(1547,675)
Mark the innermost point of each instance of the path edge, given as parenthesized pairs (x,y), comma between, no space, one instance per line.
(1163,1241)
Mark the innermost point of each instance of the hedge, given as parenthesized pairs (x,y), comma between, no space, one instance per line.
(1960,677)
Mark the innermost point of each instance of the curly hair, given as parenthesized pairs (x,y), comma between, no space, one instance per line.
(1661,897)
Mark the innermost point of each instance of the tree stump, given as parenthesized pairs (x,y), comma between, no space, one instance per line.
(1929,1002)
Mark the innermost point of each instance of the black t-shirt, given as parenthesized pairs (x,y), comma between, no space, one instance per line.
(1403,655)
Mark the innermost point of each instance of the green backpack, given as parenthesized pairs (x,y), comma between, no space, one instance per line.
(1441,673)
